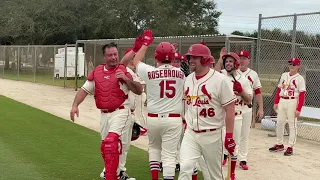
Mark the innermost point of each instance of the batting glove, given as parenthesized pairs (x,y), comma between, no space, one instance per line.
(147,37)
(138,43)
(229,143)
(237,87)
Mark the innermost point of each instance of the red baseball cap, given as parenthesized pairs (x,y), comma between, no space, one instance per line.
(244,53)
(295,61)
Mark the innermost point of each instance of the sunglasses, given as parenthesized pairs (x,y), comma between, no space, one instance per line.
(291,64)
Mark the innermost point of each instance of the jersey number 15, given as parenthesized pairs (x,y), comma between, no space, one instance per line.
(167,89)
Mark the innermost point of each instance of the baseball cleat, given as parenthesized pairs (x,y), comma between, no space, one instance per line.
(160,167)
(102,174)
(276,148)
(124,176)
(288,152)
(243,165)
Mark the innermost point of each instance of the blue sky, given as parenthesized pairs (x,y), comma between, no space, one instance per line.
(243,14)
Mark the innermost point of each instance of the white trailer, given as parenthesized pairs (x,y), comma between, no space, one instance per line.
(59,63)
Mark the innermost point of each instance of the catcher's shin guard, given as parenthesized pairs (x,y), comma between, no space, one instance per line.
(111,152)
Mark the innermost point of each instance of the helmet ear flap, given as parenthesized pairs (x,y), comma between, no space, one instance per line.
(205,60)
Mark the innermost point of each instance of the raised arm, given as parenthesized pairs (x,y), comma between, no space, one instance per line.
(219,65)
(129,56)
(147,40)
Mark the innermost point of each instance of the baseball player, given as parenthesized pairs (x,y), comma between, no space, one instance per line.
(110,83)
(243,91)
(164,95)
(255,83)
(210,99)
(288,103)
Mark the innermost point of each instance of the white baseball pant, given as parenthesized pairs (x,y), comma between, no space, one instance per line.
(120,122)
(244,140)
(139,115)
(164,135)
(206,144)
(286,111)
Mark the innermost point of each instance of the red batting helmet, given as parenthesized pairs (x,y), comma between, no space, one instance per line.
(164,52)
(234,56)
(201,50)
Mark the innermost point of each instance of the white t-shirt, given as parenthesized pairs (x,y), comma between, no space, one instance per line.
(255,83)
(291,86)
(240,105)
(88,86)
(206,99)
(164,88)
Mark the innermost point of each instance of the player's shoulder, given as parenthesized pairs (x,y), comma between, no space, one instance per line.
(252,72)
(285,74)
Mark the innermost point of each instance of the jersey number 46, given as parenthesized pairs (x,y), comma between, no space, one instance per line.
(207,112)
(167,88)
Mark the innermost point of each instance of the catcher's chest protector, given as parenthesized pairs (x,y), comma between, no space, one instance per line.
(108,93)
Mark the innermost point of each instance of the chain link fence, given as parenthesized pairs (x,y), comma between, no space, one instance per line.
(279,39)
(40,64)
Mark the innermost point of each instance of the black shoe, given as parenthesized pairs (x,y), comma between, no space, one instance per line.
(178,167)
(124,176)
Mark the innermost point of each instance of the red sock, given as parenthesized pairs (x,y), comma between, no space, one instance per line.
(154,168)
(195,174)
(233,165)
(154,174)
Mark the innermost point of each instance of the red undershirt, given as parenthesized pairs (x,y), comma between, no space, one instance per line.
(199,77)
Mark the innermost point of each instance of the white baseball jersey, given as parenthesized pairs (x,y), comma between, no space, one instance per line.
(255,83)
(246,88)
(205,99)
(132,96)
(88,86)
(164,88)
(291,86)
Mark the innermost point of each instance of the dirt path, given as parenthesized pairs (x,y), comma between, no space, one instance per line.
(263,165)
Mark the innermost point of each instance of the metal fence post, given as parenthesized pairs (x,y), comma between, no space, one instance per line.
(18,63)
(294,36)
(54,63)
(5,54)
(34,64)
(94,54)
(76,69)
(65,65)
(259,43)
(252,54)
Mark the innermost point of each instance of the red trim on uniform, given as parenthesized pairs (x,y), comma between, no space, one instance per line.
(257,91)
(199,77)
(301,100)
(277,97)
(205,130)
(229,101)
(112,110)
(169,115)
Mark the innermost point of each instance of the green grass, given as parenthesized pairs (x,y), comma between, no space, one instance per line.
(37,145)
(40,77)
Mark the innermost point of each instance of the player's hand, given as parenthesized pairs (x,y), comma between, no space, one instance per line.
(260,113)
(237,87)
(297,114)
(229,143)
(121,76)
(137,44)
(175,45)
(147,37)
(74,111)
(275,108)
(223,51)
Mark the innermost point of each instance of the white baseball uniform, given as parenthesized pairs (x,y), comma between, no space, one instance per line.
(137,104)
(290,86)
(205,116)
(164,86)
(119,121)
(239,108)
(255,83)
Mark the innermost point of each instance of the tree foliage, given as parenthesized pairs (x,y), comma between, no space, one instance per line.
(61,21)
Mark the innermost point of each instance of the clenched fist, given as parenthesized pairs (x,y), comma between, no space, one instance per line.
(122,76)
(138,43)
